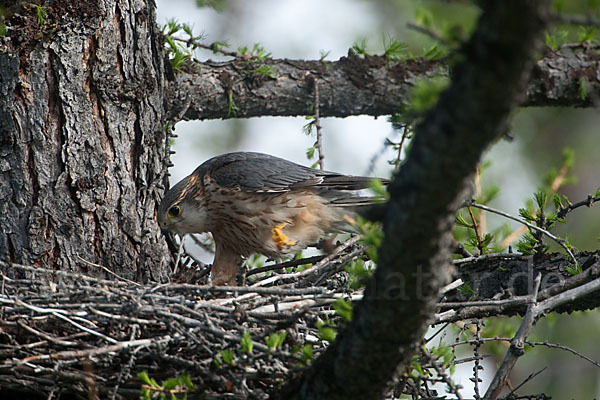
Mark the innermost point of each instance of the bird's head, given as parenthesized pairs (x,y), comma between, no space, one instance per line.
(182,209)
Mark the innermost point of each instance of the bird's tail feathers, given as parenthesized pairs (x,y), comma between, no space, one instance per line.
(348,182)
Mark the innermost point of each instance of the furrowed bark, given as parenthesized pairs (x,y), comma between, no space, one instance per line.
(81,157)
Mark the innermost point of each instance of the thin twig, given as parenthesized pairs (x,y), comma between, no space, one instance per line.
(587,202)
(317,121)
(108,271)
(566,297)
(575,19)
(558,240)
(71,354)
(428,32)
(565,348)
(179,252)
(490,256)
(241,289)
(476,229)
(532,344)
(530,377)
(453,388)
(303,273)
(476,365)
(285,264)
(83,328)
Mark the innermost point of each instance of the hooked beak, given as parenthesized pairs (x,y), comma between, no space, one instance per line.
(165,229)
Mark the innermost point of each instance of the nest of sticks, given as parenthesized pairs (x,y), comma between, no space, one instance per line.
(68,335)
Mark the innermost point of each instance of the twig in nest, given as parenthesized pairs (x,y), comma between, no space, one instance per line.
(108,271)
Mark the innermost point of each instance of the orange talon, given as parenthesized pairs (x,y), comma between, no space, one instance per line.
(351,220)
(281,238)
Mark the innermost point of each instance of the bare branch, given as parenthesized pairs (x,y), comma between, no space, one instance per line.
(575,19)
(427,190)
(356,86)
(517,346)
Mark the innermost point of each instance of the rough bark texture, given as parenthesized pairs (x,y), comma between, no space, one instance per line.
(81,166)
(503,278)
(355,86)
(414,257)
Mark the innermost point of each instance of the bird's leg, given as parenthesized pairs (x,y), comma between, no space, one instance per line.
(225,266)
(328,245)
(280,238)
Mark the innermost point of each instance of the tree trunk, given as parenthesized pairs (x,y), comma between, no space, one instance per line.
(81,139)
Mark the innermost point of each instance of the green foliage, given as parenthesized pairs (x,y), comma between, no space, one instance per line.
(426,92)
(255,261)
(489,193)
(265,70)
(424,17)
(232,108)
(343,308)
(327,331)
(275,340)
(415,365)
(558,5)
(541,198)
(360,47)
(557,39)
(246,343)
(257,53)
(393,50)
(526,244)
(423,95)
(436,52)
(527,213)
(371,234)
(469,221)
(359,273)
(218,5)
(466,290)
(306,354)
(573,270)
(586,34)
(180,49)
(219,47)
(380,193)
(445,353)
(176,388)
(461,221)
(583,88)
(499,327)
(41,14)
(227,356)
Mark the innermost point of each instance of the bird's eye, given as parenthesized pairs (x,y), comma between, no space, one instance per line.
(174,211)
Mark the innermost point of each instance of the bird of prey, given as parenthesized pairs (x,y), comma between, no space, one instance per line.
(257,203)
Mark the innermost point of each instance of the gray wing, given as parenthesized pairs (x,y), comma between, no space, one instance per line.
(264,173)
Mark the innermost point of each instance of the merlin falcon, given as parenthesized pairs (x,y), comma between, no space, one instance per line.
(257,203)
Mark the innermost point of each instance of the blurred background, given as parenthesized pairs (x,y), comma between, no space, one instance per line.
(309,29)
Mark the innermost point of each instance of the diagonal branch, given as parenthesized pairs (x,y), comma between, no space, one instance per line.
(517,345)
(414,260)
